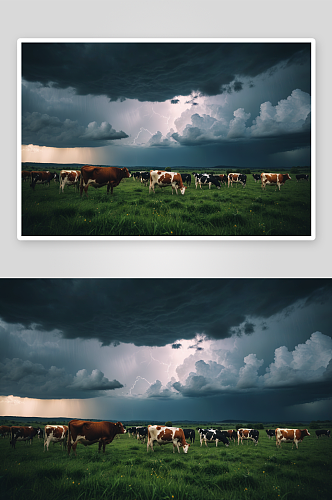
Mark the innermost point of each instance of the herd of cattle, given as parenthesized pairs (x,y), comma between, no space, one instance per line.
(112,176)
(103,433)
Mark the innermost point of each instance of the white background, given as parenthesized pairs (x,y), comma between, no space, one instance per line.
(163,19)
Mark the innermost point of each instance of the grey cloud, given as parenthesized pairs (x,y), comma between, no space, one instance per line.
(26,379)
(120,70)
(138,310)
(51,131)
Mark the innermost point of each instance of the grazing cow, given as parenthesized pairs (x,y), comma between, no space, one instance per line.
(186,178)
(41,178)
(301,176)
(270,433)
(101,176)
(241,178)
(164,435)
(189,434)
(69,177)
(163,179)
(86,432)
(142,433)
(257,177)
(212,435)
(26,175)
(274,179)
(247,434)
(55,434)
(290,436)
(322,432)
(22,433)
(4,430)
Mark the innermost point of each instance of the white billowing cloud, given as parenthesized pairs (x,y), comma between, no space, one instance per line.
(288,116)
(212,124)
(237,126)
(248,374)
(308,362)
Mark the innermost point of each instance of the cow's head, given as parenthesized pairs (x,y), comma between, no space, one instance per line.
(183,190)
(120,428)
(186,447)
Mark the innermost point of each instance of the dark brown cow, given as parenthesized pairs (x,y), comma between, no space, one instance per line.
(4,430)
(274,179)
(86,432)
(26,175)
(101,176)
(22,433)
(55,434)
(41,178)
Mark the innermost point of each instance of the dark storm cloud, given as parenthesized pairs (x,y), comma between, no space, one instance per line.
(147,311)
(50,131)
(154,71)
(176,346)
(26,379)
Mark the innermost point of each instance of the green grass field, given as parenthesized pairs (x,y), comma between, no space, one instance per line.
(127,471)
(132,211)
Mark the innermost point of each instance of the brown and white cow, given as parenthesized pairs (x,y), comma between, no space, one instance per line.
(69,177)
(274,179)
(86,432)
(236,177)
(246,434)
(101,176)
(22,433)
(290,436)
(4,430)
(55,434)
(163,179)
(165,435)
(41,178)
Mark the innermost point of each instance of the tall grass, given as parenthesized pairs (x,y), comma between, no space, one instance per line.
(132,211)
(128,471)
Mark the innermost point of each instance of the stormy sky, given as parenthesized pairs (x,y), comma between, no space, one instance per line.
(167,103)
(159,349)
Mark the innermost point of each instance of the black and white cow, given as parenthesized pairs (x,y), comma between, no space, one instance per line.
(145,177)
(208,180)
(142,433)
(212,436)
(257,177)
(301,176)
(189,434)
(322,432)
(270,433)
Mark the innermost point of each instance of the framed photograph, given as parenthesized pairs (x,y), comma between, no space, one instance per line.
(226,126)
